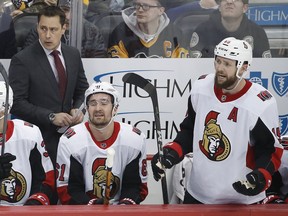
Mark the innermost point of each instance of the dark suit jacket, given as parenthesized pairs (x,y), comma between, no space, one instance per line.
(36,92)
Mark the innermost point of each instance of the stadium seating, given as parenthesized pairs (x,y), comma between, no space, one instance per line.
(106,23)
(23,23)
(187,22)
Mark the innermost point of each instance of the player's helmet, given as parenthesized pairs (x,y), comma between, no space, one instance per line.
(3,96)
(232,48)
(103,87)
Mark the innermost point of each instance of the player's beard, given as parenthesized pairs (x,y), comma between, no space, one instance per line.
(228,84)
(99,122)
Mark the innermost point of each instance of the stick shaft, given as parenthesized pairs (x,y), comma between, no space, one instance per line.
(107,188)
(144,84)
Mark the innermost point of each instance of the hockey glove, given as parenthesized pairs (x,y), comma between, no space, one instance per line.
(6,165)
(127,201)
(257,181)
(170,158)
(96,201)
(38,199)
(273,198)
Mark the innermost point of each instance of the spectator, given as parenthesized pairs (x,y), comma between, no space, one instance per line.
(229,127)
(33,6)
(26,171)
(229,21)
(98,8)
(189,8)
(82,153)
(37,88)
(92,45)
(145,33)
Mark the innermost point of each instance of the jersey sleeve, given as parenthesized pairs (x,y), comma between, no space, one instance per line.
(185,135)
(116,47)
(265,137)
(43,177)
(134,183)
(62,170)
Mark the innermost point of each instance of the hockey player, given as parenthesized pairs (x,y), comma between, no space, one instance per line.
(82,154)
(145,33)
(231,127)
(229,21)
(26,171)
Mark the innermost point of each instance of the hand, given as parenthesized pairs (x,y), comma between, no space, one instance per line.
(77,115)
(257,181)
(6,165)
(96,201)
(170,158)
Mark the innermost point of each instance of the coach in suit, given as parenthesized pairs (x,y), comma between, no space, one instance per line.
(37,86)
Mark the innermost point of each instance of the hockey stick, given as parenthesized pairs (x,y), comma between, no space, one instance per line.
(5,77)
(109,165)
(144,84)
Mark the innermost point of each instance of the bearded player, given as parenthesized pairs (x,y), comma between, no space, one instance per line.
(82,155)
(243,118)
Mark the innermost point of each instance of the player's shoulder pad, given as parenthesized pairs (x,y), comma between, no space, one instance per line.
(136,130)
(69,133)
(202,76)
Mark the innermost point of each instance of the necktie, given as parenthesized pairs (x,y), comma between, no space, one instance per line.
(61,73)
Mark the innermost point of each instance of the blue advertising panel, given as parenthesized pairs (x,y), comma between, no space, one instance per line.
(268,15)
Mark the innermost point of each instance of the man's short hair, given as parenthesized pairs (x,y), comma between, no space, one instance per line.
(162,3)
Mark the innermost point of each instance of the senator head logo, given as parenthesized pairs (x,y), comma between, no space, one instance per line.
(214,145)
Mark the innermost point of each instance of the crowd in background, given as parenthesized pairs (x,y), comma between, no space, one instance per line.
(99,42)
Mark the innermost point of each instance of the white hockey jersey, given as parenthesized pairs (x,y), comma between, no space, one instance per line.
(32,164)
(232,135)
(81,163)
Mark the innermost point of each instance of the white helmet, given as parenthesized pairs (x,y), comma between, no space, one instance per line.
(232,48)
(3,96)
(102,87)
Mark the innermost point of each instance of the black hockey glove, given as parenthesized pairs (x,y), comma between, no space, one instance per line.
(170,158)
(273,198)
(257,181)
(96,201)
(6,165)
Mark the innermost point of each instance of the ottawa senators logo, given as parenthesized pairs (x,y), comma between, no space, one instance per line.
(215,145)
(14,187)
(99,179)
